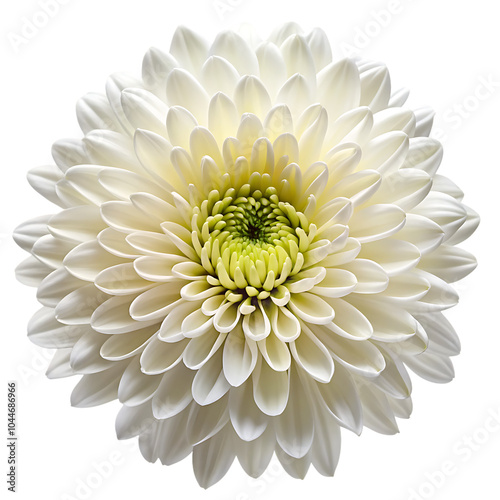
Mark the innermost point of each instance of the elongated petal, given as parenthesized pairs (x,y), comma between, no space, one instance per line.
(270,389)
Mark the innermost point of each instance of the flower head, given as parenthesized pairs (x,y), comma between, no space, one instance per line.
(253,246)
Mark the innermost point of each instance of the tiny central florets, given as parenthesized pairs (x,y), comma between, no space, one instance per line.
(249,241)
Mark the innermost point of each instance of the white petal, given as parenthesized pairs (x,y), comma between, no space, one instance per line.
(189,49)
(250,96)
(407,286)
(392,119)
(156,303)
(311,141)
(81,186)
(376,222)
(166,440)
(370,276)
(223,117)
(425,234)
(144,110)
(283,31)
(449,263)
(320,48)
(298,57)
(386,153)
(114,86)
(77,223)
(59,366)
(239,357)
(444,210)
(88,259)
(296,94)
(375,88)
(254,456)
(394,381)
(247,419)
(312,356)
(336,283)
(77,307)
(439,297)
(275,352)
(398,98)
(56,286)
(325,449)
(340,397)
(286,145)
(256,325)
(295,467)
(69,152)
(213,457)
(377,413)
(156,67)
(285,324)
(31,272)
(219,75)
(442,336)
(359,357)
(424,154)
(270,389)
(135,387)
(393,255)
(93,111)
(352,126)
(305,280)
(424,117)
(132,421)
(115,243)
(202,143)
(311,308)
(405,188)
(28,233)
(43,180)
(390,323)
(184,90)
(112,149)
(121,279)
(444,185)
(432,367)
(119,347)
(233,47)
(343,76)
(85,356)
(272,67)
(113,316)
(158,268)
(467,228)
(205,421)
(174,392)
(278,121)
(98,388)
(174,328)
(402,408)
(158,357)
(358,187)
(201,349)
(209,383)
(44,330)
(349,322)
(51,250)
(294,427)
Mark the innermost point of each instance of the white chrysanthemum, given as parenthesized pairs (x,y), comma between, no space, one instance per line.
(253,244)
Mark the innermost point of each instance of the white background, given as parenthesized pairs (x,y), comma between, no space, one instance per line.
(441,50)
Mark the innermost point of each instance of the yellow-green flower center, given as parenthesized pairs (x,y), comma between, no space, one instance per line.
(249,241)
